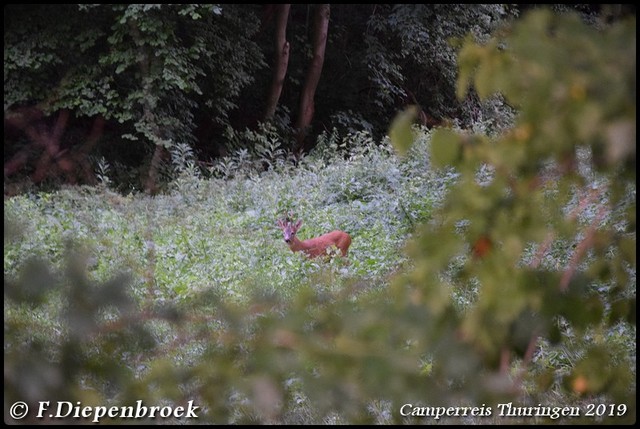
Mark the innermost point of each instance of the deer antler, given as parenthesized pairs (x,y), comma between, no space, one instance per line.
(289,217)
(286,219)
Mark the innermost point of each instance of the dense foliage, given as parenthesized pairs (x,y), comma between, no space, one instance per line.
(137,77)
(209,259)
(518,286)
(546,244)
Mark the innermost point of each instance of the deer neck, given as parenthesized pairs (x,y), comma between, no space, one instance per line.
(297,245)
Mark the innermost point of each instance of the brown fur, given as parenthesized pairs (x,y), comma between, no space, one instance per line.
(317,246)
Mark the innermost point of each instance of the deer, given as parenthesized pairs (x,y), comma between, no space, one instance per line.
(313,247)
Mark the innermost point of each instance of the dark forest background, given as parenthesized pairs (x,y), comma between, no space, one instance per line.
(124,85)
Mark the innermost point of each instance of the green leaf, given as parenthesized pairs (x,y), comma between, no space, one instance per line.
(445,148)
(400,132)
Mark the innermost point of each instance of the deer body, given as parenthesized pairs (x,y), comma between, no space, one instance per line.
(314,247)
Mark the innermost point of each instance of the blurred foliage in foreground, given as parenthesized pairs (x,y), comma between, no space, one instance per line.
(573,144)
(541,270)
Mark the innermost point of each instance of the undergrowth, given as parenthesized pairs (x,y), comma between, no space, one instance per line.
(213,238)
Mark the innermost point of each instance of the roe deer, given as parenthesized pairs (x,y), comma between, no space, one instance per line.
(314,246)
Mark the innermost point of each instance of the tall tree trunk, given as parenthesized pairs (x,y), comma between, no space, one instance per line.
(305,114)
(151,183)
(145,60)
(280,61)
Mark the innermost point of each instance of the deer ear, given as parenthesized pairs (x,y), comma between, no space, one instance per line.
(297,227)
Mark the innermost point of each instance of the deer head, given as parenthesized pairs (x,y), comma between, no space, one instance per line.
(289,229)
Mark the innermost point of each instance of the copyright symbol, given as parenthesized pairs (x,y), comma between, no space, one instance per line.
(18,410)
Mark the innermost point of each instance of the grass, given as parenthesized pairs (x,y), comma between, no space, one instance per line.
(210,246)
(222,233)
